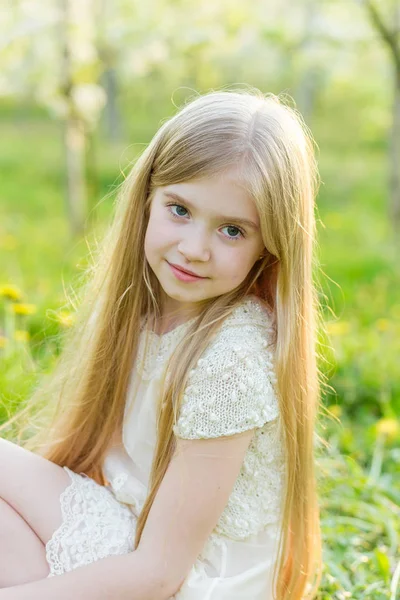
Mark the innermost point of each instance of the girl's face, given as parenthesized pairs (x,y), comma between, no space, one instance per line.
(209,227)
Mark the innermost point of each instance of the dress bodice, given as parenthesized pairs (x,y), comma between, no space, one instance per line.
(232,388)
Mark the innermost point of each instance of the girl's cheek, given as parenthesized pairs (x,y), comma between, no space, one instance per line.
(166,234)
(159,230)
(240,265)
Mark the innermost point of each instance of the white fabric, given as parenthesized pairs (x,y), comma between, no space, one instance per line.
(94,525)
(231,389)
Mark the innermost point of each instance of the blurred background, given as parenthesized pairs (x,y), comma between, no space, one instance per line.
(84,84)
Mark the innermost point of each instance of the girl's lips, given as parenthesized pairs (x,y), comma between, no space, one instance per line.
(185,270)
(183,276)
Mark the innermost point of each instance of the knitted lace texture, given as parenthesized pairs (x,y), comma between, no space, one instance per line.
(233,389)
(94,525)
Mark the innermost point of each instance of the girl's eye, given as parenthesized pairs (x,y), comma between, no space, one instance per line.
(179,207)
(232,228)
(232,236)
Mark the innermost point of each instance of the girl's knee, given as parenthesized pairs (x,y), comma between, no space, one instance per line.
(32,486)
(23,553)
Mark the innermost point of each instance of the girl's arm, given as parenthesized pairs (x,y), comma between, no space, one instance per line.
(112,578)
(194,492)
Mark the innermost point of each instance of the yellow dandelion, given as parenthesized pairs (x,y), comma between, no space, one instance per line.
(21,335)
(65,319)
(338,327)
(383,324)
(388,427)
(10,291)
(8,242)
(3,341)
(24,309)
(336,410)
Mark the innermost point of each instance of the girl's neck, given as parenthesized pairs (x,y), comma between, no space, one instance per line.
(167,323)
(173,314)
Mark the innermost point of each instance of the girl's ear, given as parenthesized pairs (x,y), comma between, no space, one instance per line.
(265,286)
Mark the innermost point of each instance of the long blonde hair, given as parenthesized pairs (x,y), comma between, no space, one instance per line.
(82,403)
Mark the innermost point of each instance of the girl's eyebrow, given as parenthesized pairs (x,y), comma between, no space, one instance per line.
(241,220)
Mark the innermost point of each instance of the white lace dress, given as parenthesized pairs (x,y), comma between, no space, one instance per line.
(232,389)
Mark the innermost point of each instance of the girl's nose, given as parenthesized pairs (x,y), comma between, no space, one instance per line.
(195,247)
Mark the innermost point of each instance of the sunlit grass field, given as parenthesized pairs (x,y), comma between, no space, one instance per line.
(359,281)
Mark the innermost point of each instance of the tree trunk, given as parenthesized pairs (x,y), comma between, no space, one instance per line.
(74,134)
(390,36)
(74,139)
(394,158)
(92,176)
(308,84)
(395,134)
(112,116)
(108,57)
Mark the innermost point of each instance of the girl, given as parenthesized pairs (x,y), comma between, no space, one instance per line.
(175,457)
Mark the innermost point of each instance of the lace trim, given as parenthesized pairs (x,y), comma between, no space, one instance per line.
(257,495)
(154,349)
(94,525)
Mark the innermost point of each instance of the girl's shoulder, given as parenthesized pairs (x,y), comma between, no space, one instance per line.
(250,312)
(232,387)
(248,330)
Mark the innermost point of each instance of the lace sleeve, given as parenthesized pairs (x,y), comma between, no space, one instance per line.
(232,388)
